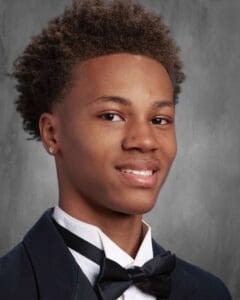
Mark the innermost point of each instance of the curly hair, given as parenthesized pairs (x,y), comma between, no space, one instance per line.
(87,29)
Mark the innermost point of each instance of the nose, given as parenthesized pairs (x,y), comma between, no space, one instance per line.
(140,136)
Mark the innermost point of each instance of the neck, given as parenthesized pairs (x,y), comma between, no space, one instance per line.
(127,231)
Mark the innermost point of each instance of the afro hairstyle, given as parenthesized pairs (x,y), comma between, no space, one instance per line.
(87,29)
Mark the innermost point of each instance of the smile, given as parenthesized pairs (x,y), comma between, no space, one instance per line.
(144,173)
(146,179)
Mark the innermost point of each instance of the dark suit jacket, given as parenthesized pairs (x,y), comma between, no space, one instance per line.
(42,267)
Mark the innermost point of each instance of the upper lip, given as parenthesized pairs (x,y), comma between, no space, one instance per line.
(139,165)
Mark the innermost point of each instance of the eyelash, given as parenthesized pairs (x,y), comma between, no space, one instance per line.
(167,120)
(108,114)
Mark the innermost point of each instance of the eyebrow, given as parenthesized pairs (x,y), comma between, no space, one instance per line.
(127,102)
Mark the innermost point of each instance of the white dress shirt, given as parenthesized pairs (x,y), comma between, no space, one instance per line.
(95,236)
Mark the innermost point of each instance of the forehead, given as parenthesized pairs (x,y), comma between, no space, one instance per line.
(120,62)
(123,75)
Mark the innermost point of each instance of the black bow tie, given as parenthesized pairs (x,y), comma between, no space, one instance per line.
(152,278)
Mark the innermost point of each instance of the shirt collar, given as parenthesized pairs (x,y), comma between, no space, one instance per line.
(97,237)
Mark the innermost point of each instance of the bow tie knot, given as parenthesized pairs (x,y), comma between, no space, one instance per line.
(137,274)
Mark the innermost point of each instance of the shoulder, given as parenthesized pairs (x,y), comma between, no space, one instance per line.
(198,283)
(16,275)
(189,282)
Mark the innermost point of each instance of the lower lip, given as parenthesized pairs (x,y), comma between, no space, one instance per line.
(138,180)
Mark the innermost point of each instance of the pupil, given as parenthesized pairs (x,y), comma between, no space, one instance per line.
(110,116)
(157,121)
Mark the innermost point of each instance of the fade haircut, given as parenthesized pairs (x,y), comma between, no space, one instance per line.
(87,29)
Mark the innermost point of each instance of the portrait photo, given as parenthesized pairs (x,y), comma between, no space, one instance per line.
(119,149)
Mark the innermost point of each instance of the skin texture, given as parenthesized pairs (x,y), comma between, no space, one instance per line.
(92,135)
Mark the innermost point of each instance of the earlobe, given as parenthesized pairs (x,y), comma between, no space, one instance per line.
(48,132)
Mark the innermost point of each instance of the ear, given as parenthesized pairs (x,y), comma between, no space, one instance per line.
(48,132)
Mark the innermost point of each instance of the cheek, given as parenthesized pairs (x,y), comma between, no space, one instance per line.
(89,145)
(170,147)
(174,151)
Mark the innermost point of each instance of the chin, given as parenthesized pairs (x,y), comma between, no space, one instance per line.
(136,210)
(137,206)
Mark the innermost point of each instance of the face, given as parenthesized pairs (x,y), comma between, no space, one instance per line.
(115,133)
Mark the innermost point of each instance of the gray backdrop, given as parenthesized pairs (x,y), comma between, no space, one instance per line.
(197,215)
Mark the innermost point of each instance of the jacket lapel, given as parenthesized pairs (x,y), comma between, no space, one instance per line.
(57,274)
(157,250)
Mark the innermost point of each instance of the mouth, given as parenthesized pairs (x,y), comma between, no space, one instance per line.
(141,174)
(144,173)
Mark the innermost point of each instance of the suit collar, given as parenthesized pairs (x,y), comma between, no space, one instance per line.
(157,249)
(94,235)
(57,274)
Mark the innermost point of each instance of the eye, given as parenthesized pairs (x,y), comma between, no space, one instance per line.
(111,117)
(160,121)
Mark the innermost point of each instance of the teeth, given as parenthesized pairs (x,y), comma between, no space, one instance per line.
(137,172)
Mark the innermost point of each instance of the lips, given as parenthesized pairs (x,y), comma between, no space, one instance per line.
(139,173)
(139,165)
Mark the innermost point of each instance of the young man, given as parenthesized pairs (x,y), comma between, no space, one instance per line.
(98,87)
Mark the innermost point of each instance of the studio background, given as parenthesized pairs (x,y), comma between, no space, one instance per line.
(198,211)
